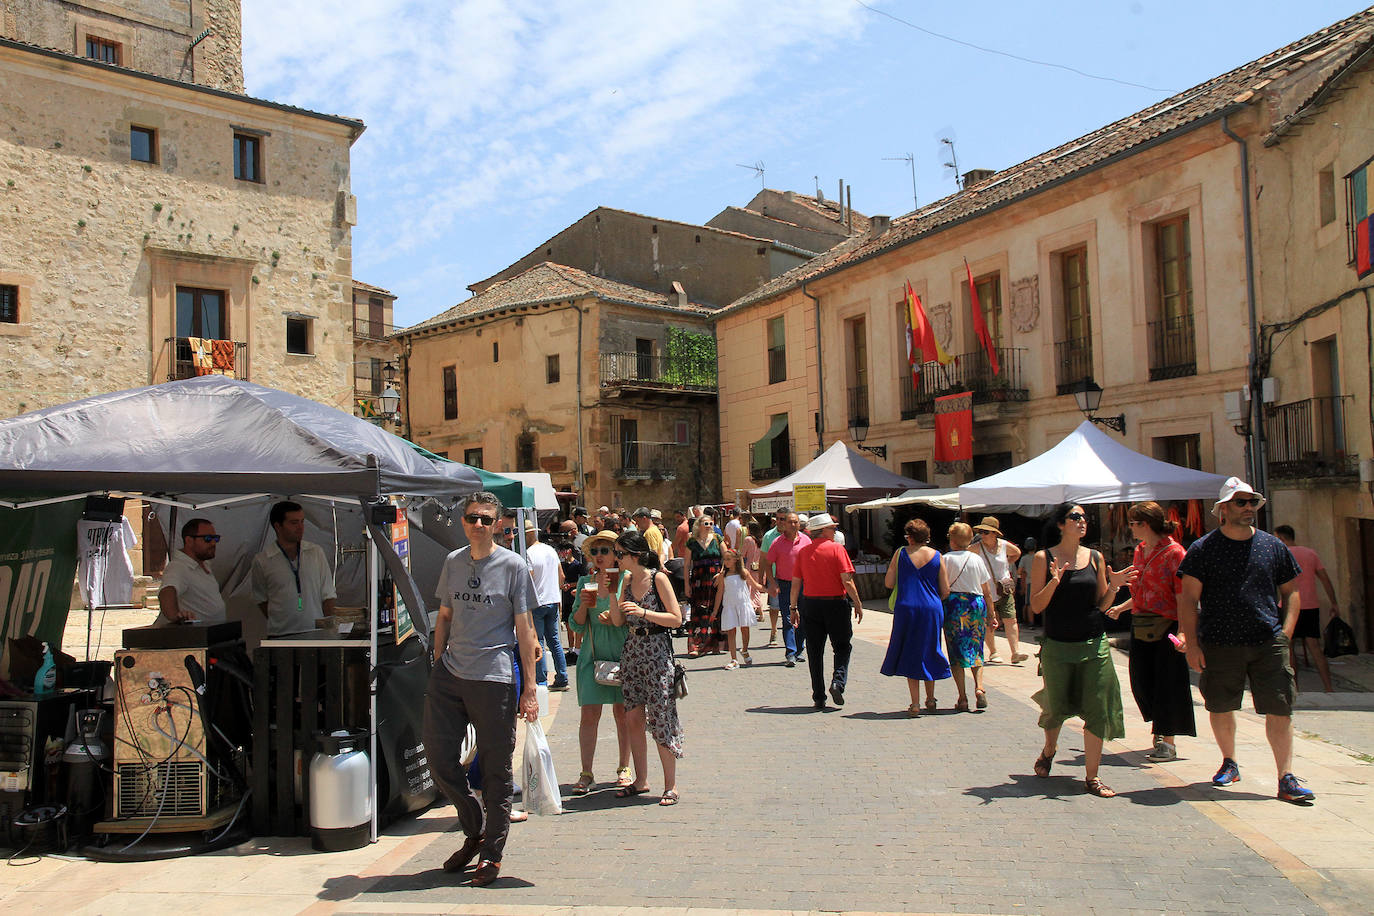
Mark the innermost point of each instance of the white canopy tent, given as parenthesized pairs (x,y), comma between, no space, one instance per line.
(946,498)
(847,476)
(1088,466)
(545,497)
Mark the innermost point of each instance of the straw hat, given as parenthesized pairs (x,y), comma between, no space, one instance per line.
(601,537)
(989,523)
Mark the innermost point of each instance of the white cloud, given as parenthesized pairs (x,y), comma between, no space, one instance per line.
(486,104)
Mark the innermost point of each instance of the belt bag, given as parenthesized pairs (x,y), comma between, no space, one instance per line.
(1148,627)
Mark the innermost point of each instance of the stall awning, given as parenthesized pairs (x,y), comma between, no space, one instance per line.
(763,449)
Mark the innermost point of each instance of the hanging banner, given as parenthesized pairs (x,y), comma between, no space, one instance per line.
(954,433)
(37,569)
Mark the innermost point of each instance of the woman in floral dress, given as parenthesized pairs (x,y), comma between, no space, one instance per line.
(704,635)
(649,612)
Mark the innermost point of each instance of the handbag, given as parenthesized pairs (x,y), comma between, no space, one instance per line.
(1339,639)
(679,680)
(604,672)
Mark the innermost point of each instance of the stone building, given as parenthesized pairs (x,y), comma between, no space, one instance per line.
(156,221)
(1119,257)
(376,354)
(607,387)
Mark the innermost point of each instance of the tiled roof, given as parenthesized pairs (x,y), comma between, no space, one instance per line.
(547,282)
(828,208)
(1282,75)
(359,284)
(18,45)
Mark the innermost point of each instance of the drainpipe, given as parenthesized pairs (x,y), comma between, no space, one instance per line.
(1255,441)
(820,375)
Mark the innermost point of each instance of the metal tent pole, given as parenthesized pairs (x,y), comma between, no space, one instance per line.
(372,678)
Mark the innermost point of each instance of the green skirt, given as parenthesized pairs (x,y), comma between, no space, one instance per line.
(1080,680)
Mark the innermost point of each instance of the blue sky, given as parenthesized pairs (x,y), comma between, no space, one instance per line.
(492,125)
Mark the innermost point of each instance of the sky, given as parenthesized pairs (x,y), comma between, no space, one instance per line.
(493,125)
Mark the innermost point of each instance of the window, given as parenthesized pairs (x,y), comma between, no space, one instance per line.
(777,350)
(200,313)
(681,432)
(495,352)
(525,452)
(915,470)
(9,304)
(1326,196)
(103,49)
(644,359)
(1184,451)
(989,288)
(551,371)
(450,393)
(247,158)
(472,457)
(1077,311)
(298,335)
(1173,352)
(856,334)
(991,463)
(142,144)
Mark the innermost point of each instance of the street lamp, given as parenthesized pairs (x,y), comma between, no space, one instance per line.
(1088,394)
(391,403)
(858,431)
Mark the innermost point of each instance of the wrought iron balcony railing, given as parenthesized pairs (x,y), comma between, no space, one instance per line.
(1073,362)
(1173,352)
(367,329)
(639,370)
(193,356)
(968,372)
(638,460)
(1307,439)
(784,458)
(858,405)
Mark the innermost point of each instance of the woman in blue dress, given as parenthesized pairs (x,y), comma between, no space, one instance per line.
(914,651)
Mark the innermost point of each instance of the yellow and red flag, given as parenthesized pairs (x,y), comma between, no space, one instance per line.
(921,344)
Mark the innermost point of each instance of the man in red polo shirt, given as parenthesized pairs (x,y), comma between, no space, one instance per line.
(823,580)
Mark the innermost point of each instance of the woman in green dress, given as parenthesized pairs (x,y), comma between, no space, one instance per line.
(601,641)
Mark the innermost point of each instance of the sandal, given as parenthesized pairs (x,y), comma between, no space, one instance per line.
(669,798)
(630,791)
(732,665)
(748,659)
(584,783)
(1099,788)
(961,705)
(623,777)
(913,711)
(1043,763)
(981,699)
(930,703)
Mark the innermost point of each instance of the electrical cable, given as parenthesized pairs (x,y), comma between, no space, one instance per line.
(1008,54)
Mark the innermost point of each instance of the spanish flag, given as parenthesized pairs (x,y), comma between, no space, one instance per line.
(921,344)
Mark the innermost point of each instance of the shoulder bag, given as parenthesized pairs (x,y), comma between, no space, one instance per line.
(604,672)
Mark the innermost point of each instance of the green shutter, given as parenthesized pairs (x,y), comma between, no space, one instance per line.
(763,449)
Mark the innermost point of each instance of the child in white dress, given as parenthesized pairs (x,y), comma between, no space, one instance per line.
(735,603)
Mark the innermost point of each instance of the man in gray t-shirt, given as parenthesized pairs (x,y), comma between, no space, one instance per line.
(485,597)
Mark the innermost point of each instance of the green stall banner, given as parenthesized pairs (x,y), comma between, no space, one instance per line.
(37,570)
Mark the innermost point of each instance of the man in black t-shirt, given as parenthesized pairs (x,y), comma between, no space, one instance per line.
(1237,612)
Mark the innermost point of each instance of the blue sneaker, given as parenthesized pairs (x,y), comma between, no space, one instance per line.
(1229,774)
(1291,790)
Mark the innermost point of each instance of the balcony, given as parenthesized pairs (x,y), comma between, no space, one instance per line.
(969,372)
(1306,439)
(367,329)
(207,357)
(626,373)
(858,405)
(1073,362)
(637,460)
(1173,353)
(784,461)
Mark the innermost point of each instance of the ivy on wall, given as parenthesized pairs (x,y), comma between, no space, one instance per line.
(691,359)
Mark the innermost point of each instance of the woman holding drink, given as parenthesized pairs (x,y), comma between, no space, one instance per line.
(602,640)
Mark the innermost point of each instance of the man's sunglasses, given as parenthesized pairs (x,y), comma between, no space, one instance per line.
(1075,517)
(477,518)
(1243,501)
(208,538)
(600,551)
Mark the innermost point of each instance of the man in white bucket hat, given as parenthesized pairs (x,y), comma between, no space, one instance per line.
(1237,613)
(823,592)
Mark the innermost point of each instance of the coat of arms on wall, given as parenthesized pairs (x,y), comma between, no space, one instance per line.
(941,318)
(1025,303)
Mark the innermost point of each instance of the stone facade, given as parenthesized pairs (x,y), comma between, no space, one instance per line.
(152,36)
(376,354)
(98,245)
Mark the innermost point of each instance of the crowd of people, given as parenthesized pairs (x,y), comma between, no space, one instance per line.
(623,583)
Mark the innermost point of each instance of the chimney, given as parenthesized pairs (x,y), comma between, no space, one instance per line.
(681,293)
(877,225)
(973,176)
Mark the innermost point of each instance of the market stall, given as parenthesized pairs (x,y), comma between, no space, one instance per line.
(226,449)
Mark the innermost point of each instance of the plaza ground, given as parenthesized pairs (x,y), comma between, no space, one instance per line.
(854,809)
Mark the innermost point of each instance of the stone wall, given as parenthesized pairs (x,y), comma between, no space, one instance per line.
(97,243)
(154,36)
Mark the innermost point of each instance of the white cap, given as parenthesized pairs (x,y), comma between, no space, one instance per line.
(819,521)
(1232,487)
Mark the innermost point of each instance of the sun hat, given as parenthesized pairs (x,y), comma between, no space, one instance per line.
(593,539)
(1230,489)
(656,515)
(819,521)
(989,523)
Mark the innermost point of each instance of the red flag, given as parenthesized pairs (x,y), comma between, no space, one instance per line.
(980,327)
(923,333)
(954,433)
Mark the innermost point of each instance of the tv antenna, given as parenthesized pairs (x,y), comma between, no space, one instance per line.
(953,163)
(757,168)
(910,160)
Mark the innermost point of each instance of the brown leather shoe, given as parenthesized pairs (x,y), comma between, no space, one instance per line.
(465,854)
(486,873)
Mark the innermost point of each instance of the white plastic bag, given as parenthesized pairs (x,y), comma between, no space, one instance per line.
(541,782)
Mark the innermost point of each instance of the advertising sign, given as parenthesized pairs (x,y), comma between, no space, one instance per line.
(37,568)
(808,497)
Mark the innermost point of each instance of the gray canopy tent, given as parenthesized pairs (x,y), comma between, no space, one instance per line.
(214,442)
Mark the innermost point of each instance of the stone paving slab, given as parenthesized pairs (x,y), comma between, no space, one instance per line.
(861,808)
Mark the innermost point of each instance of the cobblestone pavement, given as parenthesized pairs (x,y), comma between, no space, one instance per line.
(851,809)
